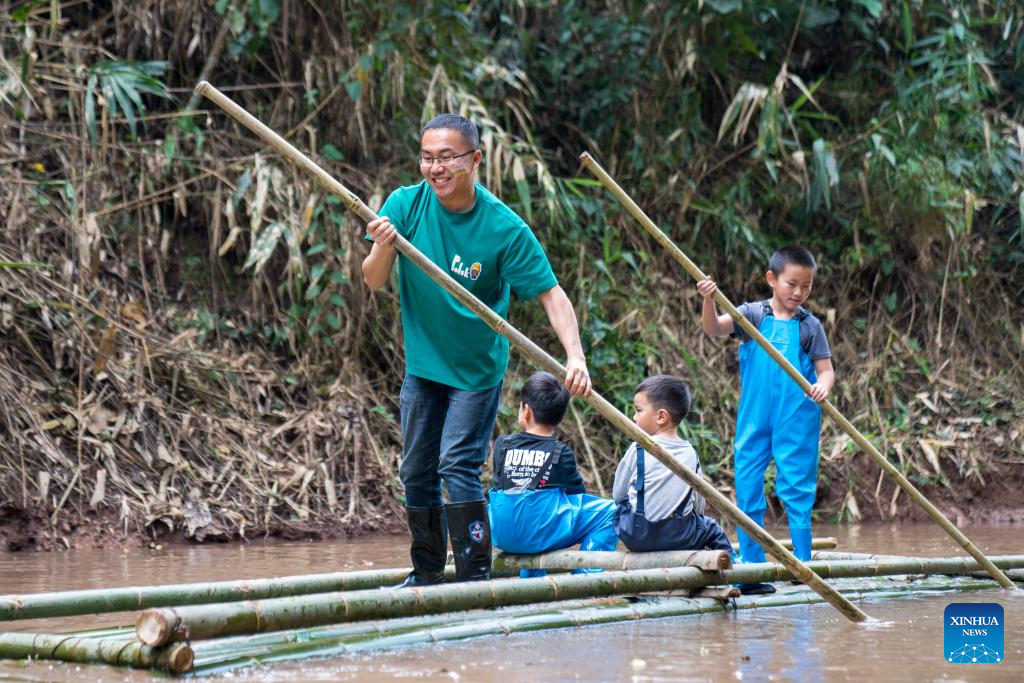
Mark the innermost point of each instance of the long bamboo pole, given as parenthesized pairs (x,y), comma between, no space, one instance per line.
(157,627)
(827,406)
(538,355)
(297,648)
(176,658)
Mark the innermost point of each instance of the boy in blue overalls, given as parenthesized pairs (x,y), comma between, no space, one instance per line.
(776,419)
(539,502)
(656,509)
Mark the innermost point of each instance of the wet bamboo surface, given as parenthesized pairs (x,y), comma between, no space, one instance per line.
(210,661)
(161,626)
(123,599)
(117,646)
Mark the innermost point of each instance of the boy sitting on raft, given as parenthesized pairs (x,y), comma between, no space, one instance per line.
(539,502)
(656,509)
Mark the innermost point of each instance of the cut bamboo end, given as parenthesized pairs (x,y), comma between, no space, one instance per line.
(154,627)
(724,560)
(203,87)
(180,659)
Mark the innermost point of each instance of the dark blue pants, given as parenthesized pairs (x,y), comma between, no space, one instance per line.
(445,434)
(676,532)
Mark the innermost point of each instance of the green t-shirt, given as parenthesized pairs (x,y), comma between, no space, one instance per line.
(490,251)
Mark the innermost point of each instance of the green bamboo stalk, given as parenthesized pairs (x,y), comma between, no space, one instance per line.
(708,560)
(827,406)
(102,600)
(829,555)
(176,658)
(208,649)
(208,663)
(823,543)
(198,622)
(537,355)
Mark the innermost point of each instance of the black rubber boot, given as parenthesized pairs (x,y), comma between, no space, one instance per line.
(471,540)
(428,549)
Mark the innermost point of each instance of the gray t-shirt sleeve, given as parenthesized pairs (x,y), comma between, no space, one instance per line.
(624,474)
(752,311)
(813,340)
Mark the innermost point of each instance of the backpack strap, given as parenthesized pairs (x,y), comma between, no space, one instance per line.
(639,479)
(689,494)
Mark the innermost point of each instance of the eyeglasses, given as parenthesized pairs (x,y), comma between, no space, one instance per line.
(442,161)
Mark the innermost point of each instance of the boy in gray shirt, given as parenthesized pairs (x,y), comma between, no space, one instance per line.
(656,509)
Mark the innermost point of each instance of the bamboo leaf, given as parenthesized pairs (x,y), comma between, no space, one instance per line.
(263,247)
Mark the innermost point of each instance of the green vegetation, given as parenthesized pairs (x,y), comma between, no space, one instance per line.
(199,353)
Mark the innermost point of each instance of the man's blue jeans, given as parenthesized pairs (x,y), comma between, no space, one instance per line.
(445,434)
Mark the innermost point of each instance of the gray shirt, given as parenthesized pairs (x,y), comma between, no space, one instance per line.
(812,333)
(664,491)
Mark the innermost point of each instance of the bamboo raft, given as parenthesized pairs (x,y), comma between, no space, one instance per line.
(203,629)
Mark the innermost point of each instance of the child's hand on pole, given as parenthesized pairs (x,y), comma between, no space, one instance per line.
(819,393)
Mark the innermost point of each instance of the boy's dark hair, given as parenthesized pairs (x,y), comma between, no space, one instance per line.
(460,124)
(547,397)
(791,255)
(667,392)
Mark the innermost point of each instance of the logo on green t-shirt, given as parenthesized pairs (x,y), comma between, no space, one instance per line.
(460,269)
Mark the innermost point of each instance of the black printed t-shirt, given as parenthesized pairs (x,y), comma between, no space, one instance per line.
(519,458)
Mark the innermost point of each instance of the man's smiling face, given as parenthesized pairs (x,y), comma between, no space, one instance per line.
(452,184)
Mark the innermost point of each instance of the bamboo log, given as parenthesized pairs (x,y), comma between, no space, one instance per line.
(537,355)
(829,555)
(823,543)
(826,405)
(708,560)
(102,600)
(207,649)
(1016,575)
(210,661)
(160,626)
(566,560)
(176,658)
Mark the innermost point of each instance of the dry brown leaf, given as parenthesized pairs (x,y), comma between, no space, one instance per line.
(134,311)
(106,347)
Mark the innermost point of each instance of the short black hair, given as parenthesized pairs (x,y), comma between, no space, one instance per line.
(791,255)
(460,124)
(547,397)
(667,392)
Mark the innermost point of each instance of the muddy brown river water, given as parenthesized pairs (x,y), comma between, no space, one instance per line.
(801,643)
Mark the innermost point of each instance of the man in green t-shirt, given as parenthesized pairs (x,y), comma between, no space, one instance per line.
(455,362)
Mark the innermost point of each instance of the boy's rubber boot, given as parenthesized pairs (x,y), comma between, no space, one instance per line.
(750,588)
(471,540)
(801,547)
(801,543)
(428,549)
